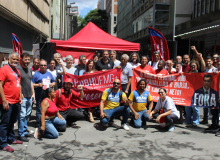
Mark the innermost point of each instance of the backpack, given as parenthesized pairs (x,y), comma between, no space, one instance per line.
(120,94)
(59,90)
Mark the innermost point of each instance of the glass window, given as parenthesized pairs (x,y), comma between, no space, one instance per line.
(212,5)
(162,17)
(207,6)
(136,26)
(203,7)
(115,19)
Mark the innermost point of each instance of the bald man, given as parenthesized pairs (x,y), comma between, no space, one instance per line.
(110,105)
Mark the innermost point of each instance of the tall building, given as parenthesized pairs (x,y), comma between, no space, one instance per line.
(28,19)
(102,4)
(111,9)
(55,19)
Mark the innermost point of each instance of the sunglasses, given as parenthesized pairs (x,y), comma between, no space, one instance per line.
(193,66)
(43,65)
(116,83)
(160,92)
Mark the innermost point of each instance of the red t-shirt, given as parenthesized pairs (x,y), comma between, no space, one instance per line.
(163,72)
(186,68)
(63,103)
(146,68)
(11,86)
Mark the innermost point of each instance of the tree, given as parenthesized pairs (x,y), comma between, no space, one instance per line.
(96,16)
(79,22)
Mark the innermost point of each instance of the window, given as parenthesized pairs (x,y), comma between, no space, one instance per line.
(195,9)
(212,5)
(207,6)
(203,7)
(115,20)
(136,26)
(199,7)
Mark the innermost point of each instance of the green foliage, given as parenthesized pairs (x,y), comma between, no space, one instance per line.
(96,16)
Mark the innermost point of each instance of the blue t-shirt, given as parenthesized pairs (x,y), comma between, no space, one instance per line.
(37,78)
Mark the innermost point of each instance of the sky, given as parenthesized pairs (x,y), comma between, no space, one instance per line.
(84,6)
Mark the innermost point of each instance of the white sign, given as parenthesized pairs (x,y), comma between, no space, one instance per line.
(35,51)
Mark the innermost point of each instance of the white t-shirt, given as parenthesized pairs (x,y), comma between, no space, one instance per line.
(70,70)
(116,63)
(166,105)
(154,66)
(54,73)
(134,65)
(210,70)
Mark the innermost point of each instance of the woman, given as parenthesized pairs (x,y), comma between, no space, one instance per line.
(51,120)
(95,59)
(89,69)
(170,112)
(194,67)
(55,72)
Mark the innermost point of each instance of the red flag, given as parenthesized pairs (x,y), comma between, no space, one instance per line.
(17,46)
(158,43)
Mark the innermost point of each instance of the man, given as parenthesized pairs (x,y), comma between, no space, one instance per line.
(178,59)
(134,60)
(140,98)
(110,105)
(59,69)
(81,68)
(11,98)
(169,66)
(154,63)
(215,60)
(186,65)
(144,66)
(104,63)
(126,74)
(113,58)
(35,66)
(40,80)
(63,99)
(161,71)
(178,68)
(209,100)
(28,97)
(69,62)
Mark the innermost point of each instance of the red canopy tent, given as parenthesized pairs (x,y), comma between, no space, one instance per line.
(94,38)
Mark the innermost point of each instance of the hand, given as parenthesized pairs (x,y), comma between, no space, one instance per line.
(158,119)
(5,105)
(40,84)
(126,91)
(50,85)
(136,115)
(59,80)
(60,117)
(118,67)
(42,128)
(148,112)
(200,55)
(150,116)
(80,87)
(33,97)
(22,96)
(215,72)
(21,101)
(104,70)
(193,48)
(61,63)
(181,73)
(102,115)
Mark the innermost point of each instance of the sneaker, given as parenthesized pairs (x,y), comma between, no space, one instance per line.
(125,127)
(23,139)
(171,128)
(195,125)
(17,142)
(211,129)
(204,121)
(217,134)
(8,149)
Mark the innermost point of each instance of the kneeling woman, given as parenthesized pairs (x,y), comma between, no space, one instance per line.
(171,114)
(51,120)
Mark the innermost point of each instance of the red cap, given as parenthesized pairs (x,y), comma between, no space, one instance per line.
(68,80)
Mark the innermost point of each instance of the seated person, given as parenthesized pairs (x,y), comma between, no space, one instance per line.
(140,97)
(63,99)
(109,105)
(170,112)
(51,120)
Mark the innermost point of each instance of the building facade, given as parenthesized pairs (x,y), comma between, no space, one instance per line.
(30,22)
(55,19)
(102,4)
(111,9)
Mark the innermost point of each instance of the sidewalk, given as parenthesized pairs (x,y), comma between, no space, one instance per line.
(92,142)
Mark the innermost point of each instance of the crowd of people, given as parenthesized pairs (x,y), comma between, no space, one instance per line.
(43,84)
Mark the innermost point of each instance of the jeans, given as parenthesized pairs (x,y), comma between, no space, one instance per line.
(38,110)
(121,110)
(215,117)
(51,126)
(169,119)
(205,113)
(124,88)
(142,115)
(8,119)
(196,115)
(23,117)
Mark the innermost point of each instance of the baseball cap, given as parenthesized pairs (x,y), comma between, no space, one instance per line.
(68,80)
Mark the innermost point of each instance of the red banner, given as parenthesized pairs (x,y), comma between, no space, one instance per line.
(158,43)
(186,89)
(93,86)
